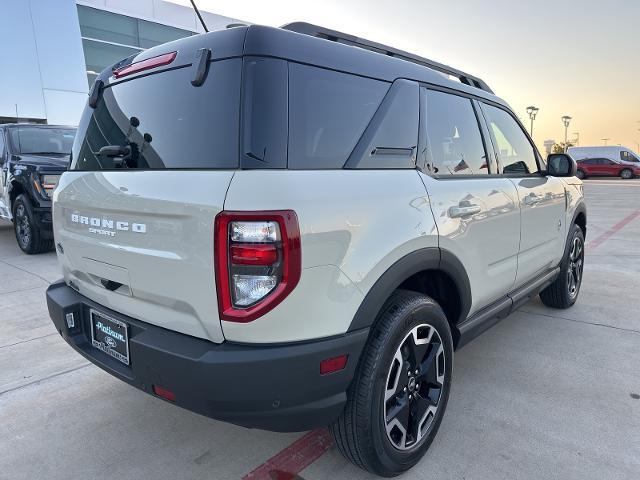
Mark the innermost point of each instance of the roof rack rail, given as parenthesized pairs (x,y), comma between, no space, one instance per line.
(346,39)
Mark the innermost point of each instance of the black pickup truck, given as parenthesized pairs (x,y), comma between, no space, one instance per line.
(32,158)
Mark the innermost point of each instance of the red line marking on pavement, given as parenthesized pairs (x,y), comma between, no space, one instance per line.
(286,464)
(596,242)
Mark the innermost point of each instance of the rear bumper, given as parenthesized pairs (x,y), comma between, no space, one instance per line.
(275,388)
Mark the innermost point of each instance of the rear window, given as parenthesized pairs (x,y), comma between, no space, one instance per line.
(166,122)
(328,112)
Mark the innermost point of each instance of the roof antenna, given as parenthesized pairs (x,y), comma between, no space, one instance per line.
(204,25)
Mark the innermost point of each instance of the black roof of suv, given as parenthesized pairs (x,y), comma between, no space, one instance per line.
(309,44)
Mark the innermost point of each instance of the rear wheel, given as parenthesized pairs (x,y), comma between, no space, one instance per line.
(398,397)
(563,292)
(580,174)
(27,232)
(626,173)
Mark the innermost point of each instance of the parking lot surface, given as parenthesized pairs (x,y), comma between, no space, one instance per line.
(544,394)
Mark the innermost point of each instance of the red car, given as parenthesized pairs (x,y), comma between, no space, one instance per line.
(605,167)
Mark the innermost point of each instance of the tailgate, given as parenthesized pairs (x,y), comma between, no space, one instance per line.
(141,243)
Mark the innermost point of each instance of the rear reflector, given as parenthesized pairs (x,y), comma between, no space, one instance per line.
(254,254)
(164,393)
(147,64)
(334,364)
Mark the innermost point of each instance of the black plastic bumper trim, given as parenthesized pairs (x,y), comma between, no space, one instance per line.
(276,388)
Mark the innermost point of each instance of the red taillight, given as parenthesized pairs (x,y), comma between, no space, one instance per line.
(247,254)
(334,364)
(257,261)
(164,393)
(147,64)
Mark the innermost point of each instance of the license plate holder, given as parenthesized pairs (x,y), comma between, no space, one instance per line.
(109,335)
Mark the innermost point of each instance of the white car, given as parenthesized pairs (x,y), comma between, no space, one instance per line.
(278,229)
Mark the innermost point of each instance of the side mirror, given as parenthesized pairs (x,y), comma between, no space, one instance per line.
(561,165)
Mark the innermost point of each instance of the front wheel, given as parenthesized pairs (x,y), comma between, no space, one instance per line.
(580,174)
(563,292)
(27,231)
(626,174)
(398,397)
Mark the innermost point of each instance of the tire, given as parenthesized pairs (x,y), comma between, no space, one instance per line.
(27,232)
(362,433)
(626,173)
(580,174)
(563,292)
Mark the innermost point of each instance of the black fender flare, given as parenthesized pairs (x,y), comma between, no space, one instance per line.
(431,258)
(581,208)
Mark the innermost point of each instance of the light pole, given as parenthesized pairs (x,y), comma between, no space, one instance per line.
(532,111)
(605,140)
(566,120)
(577,141)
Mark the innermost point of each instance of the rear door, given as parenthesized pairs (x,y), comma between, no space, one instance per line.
(608,167)
(135,231)
(475,209)
(541,198)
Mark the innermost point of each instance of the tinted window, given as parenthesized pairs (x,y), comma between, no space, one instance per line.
(628,157)
(185,126)
(33,140)
(589,161)
(515,152)
(328,112)
(454,143)
(391,138)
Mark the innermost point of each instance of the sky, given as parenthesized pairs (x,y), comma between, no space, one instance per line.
(567,57)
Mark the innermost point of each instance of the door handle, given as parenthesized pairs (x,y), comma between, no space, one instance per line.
(464,211)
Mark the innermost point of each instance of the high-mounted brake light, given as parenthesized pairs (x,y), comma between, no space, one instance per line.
(147,64)
(257,261)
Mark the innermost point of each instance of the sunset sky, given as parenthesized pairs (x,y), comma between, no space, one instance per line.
(567,57)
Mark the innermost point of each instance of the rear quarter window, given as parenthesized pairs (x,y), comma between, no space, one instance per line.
(167,121)
(328,113)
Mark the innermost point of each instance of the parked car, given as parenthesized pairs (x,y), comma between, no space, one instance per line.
(615,153)
(303,231)
(592,167)
(32,158)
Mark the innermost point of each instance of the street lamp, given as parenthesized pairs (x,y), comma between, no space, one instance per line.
(566,120)
(577,140)
(605,140)
(532,111)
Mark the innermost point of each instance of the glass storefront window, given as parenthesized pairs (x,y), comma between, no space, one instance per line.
(152,34)
(109,37)
(108,26)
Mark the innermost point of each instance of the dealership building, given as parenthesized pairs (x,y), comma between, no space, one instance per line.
(52,50)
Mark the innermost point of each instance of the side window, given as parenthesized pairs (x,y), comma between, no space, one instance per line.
(390,140)
(453,140)
(328,112)
(515,152)
(1,146)
(628,157)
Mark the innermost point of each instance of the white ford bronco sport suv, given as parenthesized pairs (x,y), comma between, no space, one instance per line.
(317,216)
